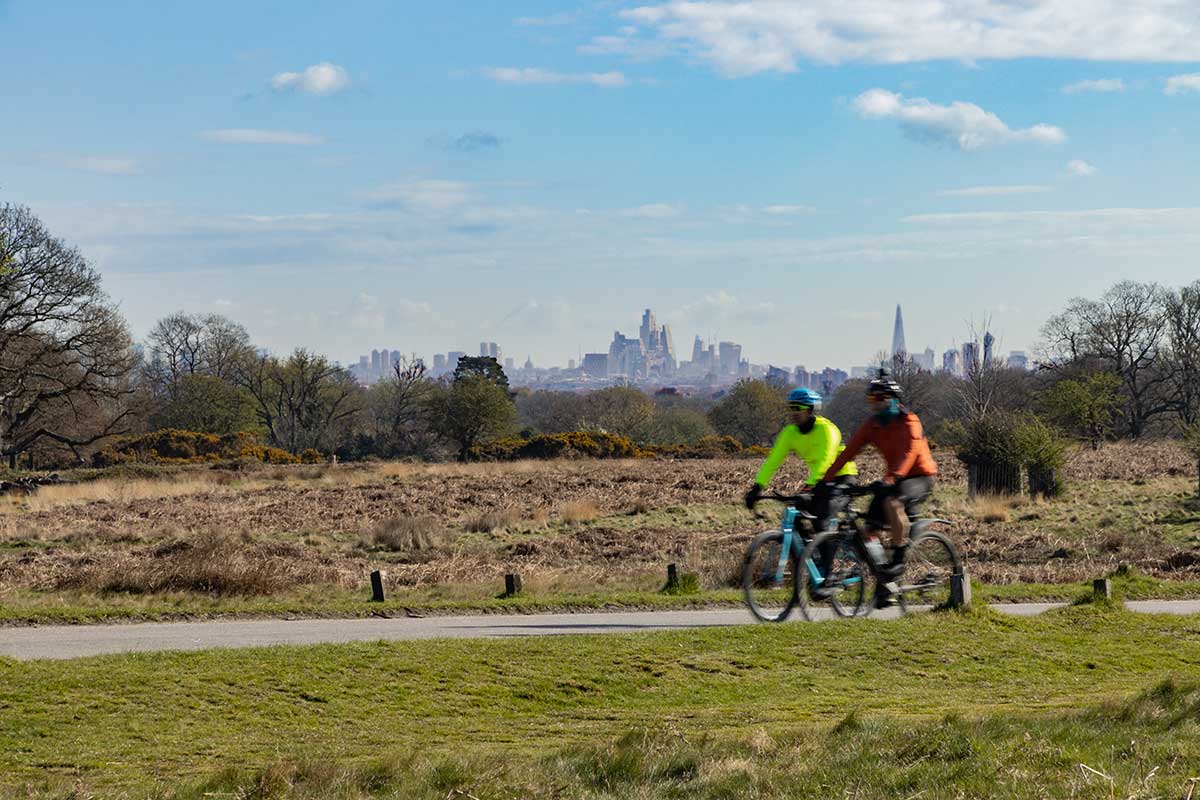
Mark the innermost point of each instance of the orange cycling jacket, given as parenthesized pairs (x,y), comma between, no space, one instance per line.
(901,442)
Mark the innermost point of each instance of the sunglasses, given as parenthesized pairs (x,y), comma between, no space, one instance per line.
(878,398)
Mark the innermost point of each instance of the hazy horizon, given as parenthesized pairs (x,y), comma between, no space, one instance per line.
(426,177)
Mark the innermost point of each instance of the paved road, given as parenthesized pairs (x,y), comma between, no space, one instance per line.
(74,641)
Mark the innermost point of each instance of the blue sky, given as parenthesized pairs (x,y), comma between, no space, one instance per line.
(424,176)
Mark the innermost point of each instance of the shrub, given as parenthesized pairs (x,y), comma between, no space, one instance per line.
(588,444)
(171,446)
(1044,454)
(312,456)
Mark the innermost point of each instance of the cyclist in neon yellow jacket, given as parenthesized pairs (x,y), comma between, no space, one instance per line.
(816,440)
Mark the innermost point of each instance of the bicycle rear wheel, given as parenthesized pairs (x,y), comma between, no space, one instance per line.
(847,579)
(769,578)
(930,562)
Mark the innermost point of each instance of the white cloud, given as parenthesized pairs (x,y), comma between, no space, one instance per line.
(1081,168)
(654,211)
(535,76)
(1099,85)
(964,125)
(1105,216)
(425,196)
(752,36)
(104,165)
(722,308)
(1182,84)
(320,79)
(785,210)
(261,136)
(993,191)
(549,21)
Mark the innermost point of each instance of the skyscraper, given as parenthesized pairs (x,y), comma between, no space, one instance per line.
(988,342)
(950,362)
(970,358)
(697,351)
(898,345)
(648,333)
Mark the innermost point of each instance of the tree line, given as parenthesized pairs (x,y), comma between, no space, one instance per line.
(72,379)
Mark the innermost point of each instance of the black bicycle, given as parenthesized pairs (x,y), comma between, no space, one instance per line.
(782,570)
(930,565)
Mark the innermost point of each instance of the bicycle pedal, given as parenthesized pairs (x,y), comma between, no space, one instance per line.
(892,587)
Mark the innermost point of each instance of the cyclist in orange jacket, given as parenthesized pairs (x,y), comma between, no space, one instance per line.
(897,434)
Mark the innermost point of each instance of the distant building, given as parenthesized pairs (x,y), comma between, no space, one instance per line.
(970,357)
(779,377)
(950,362)
(898,345)
(439,362)
(729,358)
(859,373)
(924,361)
(626,356)
(510,364)
(376,364)
(452,359)
(1018,360)
(595,365)
(988,342)
(528,362)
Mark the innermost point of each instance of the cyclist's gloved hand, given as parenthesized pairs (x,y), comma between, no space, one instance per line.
(753,495)
(879,487)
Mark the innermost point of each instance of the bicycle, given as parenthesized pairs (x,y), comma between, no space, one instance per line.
(930,563)
(774,584)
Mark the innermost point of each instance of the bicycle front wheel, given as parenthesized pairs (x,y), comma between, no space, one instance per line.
(845,585)
(929,564)
(769,578)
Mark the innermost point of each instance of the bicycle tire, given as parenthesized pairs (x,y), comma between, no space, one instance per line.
(931,561)
(771,597)
(849,572)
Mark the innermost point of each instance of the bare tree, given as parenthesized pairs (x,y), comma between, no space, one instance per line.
(65,354)
(303,401)
(1124,330)
(399,410)
(192,344)
(1183,336)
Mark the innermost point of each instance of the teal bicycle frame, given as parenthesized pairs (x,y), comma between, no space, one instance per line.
(787,527)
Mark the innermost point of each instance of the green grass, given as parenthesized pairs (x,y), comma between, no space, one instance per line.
(950,703)
(22,608)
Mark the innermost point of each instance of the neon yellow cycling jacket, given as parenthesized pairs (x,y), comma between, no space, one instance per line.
(819,447)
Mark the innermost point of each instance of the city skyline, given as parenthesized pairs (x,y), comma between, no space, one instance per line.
(650,358)
(387,173)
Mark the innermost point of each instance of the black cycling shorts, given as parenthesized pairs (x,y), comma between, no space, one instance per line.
(910,491)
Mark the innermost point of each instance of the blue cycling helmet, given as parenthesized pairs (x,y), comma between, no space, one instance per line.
(804,398)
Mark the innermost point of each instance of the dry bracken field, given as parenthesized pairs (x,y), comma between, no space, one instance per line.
(566,526)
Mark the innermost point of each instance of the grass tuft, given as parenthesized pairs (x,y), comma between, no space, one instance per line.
(408,534)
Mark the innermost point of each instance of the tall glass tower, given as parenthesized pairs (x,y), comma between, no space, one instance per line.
(898,334)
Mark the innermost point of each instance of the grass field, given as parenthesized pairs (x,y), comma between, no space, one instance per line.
(948,705)
(302,540)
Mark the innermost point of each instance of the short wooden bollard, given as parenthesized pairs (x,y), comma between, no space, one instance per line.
(1102,587)
(960,590)
(512,584)
(377,579)
(672,576)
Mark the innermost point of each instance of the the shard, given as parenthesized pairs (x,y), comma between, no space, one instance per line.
(898,346)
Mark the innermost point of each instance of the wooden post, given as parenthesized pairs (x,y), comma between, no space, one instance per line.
(377,579)
(512,584)
(672,576)
(1102,587)
(960,590)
